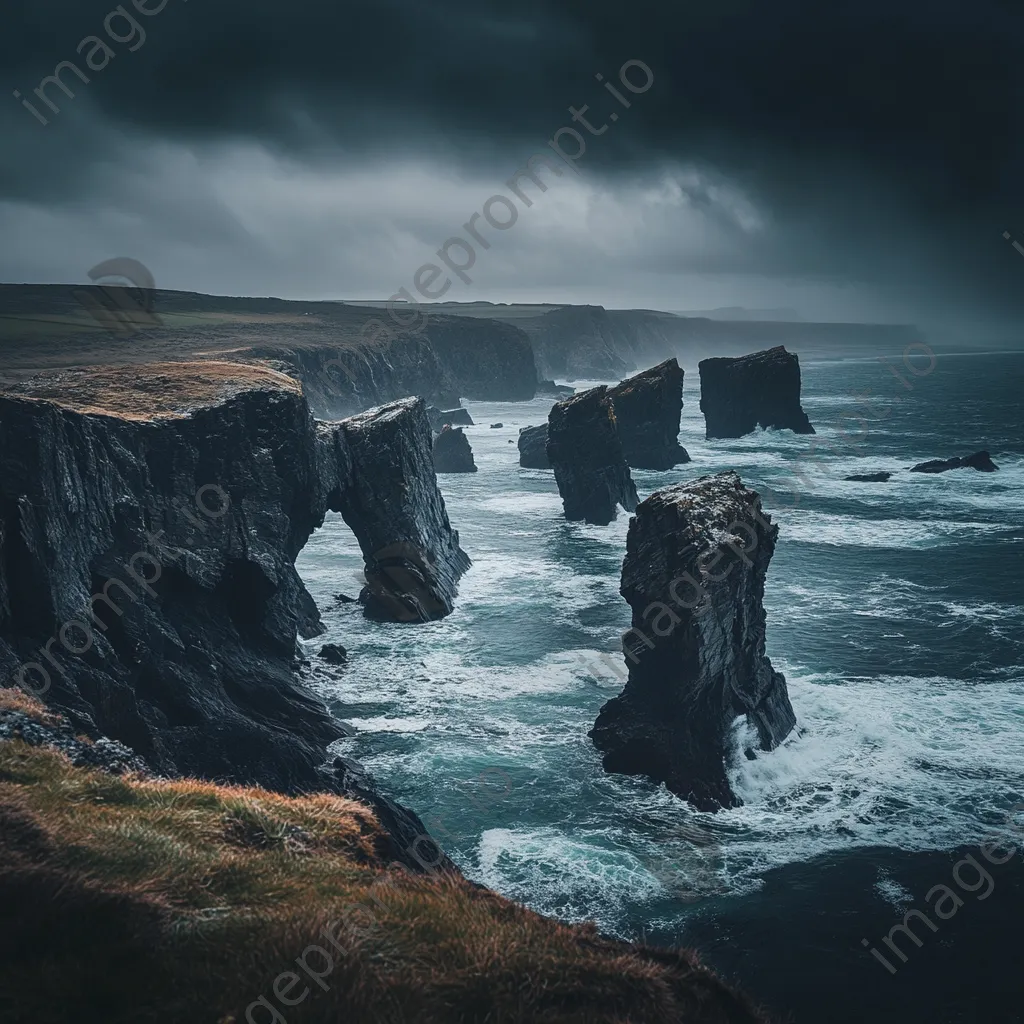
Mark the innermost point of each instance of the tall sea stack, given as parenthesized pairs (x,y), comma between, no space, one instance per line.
(696,559)
(761,390)
(586,454)
(647,411)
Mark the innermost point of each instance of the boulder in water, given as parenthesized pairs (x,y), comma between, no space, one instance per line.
(980,461)
(870,478)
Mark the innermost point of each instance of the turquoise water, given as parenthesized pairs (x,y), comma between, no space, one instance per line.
(893,609)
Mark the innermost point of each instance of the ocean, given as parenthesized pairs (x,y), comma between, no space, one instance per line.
(895,612)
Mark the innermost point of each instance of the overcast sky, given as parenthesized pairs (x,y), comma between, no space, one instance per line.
(852,160)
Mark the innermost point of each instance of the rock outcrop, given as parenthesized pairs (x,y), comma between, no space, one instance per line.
(870,478)
(452,452)
(694,572)
(533,447)
(586,454)
(387,492)
(647,411)
(980,461)
(549,388)
(759,390)
(150,517)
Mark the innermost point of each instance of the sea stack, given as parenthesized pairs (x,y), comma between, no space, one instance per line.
(696,558)
(452,453)
(761,390)
(387,493)
(533,447)
(647,411)
(586,454)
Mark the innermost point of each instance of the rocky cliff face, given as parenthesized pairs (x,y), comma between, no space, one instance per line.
(586,454)
(533,447)
(149,522)
(647,412)
(763,389)
(696,559)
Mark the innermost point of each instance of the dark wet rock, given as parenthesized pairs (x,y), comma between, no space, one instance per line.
(452,452)
(696,652)
(586,454)
(456,418)
(550,388)
(334,654)
(533,447)
(387,493)
(497,426)
(647,411)
(344,599)
(759,390)
(870,478)
(980,461)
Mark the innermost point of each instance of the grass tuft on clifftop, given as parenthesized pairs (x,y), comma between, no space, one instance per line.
(125,899)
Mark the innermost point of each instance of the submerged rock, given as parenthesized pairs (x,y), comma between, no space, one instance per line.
(696,559)
(980,461)
(452,452)
(586,454)
(388,495)
(533,447)
(763,389)
(497,426)
(647,411)
(870,478)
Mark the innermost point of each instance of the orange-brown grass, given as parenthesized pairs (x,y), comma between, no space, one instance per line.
(152,390)
(131,900)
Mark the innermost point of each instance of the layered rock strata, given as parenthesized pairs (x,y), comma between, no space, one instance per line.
(452,452)
(761,390)
(586,454)
(694,572)
(647,412)
(533,447)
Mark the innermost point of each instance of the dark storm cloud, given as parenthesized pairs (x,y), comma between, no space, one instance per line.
(878,133)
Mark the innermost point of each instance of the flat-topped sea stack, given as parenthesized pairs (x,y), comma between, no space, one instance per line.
(533,447)
(694,572)
(586,454)
(647,411)
(761,390)
(452,452)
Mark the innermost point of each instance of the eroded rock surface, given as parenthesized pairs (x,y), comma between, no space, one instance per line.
(647,412)
(533,447)
(761,390)
(387,493)
(586,454)
(694,572)
(452,452)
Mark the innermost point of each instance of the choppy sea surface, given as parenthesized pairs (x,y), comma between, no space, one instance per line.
(894,609)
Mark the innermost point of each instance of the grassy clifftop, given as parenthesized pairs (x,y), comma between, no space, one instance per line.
(125,898)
